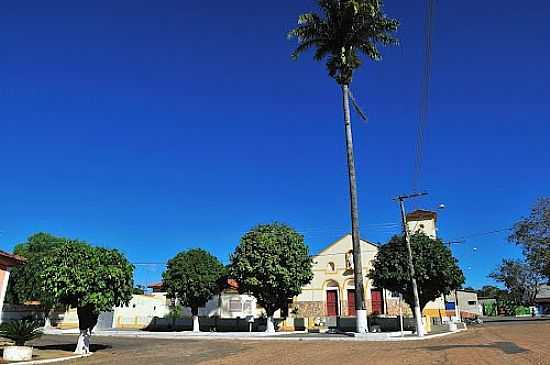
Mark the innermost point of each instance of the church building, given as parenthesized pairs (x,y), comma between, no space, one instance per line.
(331,293)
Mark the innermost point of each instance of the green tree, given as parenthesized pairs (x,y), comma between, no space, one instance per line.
(272,263)
(90,279)
(533,235)
(437,271)
(192,277)
(520,279)
(491,291)
(343,30)
(139,290)
(25,282)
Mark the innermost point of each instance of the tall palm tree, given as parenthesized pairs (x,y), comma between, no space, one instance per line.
(343,29)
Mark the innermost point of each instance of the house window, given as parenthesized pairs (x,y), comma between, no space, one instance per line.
(472,302)
(331,267)
(235,305)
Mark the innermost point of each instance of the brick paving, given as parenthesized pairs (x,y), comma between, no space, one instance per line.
(515,343)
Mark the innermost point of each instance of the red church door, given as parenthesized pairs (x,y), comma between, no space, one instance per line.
(332,303)
(351,302)
(377,301)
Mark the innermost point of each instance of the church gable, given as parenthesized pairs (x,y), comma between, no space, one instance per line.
(345,244)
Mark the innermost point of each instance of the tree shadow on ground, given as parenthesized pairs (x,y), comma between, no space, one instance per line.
(508,348)
(69,347)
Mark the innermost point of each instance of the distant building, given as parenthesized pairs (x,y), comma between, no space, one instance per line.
(542,300)
(7,261)
(467,301)
(228,304)
(422,221)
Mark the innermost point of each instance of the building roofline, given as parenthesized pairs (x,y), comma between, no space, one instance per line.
(10,259)
(421,214)
(340,239)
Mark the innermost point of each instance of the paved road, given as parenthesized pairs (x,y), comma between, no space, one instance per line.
(526,343)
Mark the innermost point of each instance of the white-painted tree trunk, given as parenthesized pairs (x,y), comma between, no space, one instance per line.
(47,322)
(196,323)
(270,327)
(83,345)
(362,325)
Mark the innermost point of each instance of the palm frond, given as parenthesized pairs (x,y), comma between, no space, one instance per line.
(340,30)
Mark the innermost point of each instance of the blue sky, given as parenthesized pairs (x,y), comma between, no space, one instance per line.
(159,126)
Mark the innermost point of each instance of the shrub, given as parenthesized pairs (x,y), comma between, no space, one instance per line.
(21,331)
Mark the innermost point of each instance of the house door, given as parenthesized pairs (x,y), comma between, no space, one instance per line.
(377,301)
(332,303)
(351,302)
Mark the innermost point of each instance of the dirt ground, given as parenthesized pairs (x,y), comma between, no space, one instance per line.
(515,343)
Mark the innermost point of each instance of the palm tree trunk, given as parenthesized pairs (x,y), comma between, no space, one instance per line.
(362,326)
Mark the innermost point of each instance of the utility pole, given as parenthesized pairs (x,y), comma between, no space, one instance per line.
(417,313)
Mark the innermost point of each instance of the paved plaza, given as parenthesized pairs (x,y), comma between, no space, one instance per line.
(502,343)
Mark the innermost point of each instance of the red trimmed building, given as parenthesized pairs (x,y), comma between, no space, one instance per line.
(7,261)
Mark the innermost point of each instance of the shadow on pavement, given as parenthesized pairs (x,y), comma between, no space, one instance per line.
(506,347)
(69,347)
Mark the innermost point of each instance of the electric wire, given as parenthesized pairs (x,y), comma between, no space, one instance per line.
(424,93)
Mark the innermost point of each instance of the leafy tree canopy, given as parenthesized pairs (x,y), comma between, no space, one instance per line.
(343,29)
(533,235)
(91,279)
(520,279)
(437,271)
(38,243)
(491,291)
(193,278)
(272,262)
(25,282)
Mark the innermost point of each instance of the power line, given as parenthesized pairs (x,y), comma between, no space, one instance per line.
(481,234)
(424,92)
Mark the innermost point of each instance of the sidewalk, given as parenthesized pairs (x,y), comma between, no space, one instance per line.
(243,336)
(515,319)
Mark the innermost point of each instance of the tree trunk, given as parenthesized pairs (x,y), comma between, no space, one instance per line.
(87,319)
(195,312)
(83,344)
(47,321)
(361,312)
(270,326)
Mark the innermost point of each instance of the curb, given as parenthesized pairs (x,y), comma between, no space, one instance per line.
(174,336)
(53,360)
